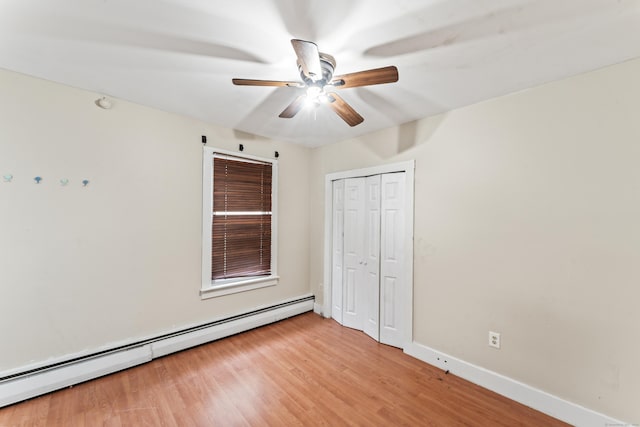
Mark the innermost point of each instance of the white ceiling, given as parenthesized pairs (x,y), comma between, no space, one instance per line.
(180,55)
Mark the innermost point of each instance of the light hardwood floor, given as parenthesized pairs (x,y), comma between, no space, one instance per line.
(301,371)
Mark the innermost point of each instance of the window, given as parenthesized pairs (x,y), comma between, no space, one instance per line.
(239,206)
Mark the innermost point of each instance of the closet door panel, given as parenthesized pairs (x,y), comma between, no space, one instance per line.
(354,232)
(392,258)
(372,258)
(337,239)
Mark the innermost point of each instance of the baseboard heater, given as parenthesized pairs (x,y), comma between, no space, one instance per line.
(35,382)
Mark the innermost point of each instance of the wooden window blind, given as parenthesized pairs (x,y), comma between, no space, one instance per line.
(241,225)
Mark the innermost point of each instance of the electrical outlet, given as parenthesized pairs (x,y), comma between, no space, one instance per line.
(494,339)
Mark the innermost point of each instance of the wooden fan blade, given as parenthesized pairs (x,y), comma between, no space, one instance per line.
(365,78)
(344,110)
(293,108)
(251,82)
(308,58)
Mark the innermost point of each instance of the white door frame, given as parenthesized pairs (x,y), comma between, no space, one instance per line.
(407,167)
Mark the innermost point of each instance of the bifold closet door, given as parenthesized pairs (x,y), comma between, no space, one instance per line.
(371,262)
(368,255)
(352,282)
(392,280)
(337,257)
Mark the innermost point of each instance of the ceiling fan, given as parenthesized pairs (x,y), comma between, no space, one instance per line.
(316,70)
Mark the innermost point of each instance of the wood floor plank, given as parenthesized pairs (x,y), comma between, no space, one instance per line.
(303,371)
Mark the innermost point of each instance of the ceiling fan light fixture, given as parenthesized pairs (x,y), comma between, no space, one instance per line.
(311,102)
(316,96)
(316,72)
(314,92)
(323,98)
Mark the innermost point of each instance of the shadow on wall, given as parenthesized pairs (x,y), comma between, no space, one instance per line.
(244,136)
(407,136)
(395,141)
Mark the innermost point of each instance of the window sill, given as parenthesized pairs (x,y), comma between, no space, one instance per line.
(219,290)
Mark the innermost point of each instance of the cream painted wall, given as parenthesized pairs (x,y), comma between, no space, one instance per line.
(526,223)
(87,268)
(527,211)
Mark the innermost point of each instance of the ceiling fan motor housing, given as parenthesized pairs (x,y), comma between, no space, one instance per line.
(327,64)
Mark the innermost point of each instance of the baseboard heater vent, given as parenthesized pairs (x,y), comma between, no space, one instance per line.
(35,382)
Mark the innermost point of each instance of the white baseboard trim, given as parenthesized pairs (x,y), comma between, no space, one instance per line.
(43,381)
(515,390)
(317,308)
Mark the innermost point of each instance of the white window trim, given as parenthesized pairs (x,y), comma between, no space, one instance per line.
(211,288)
